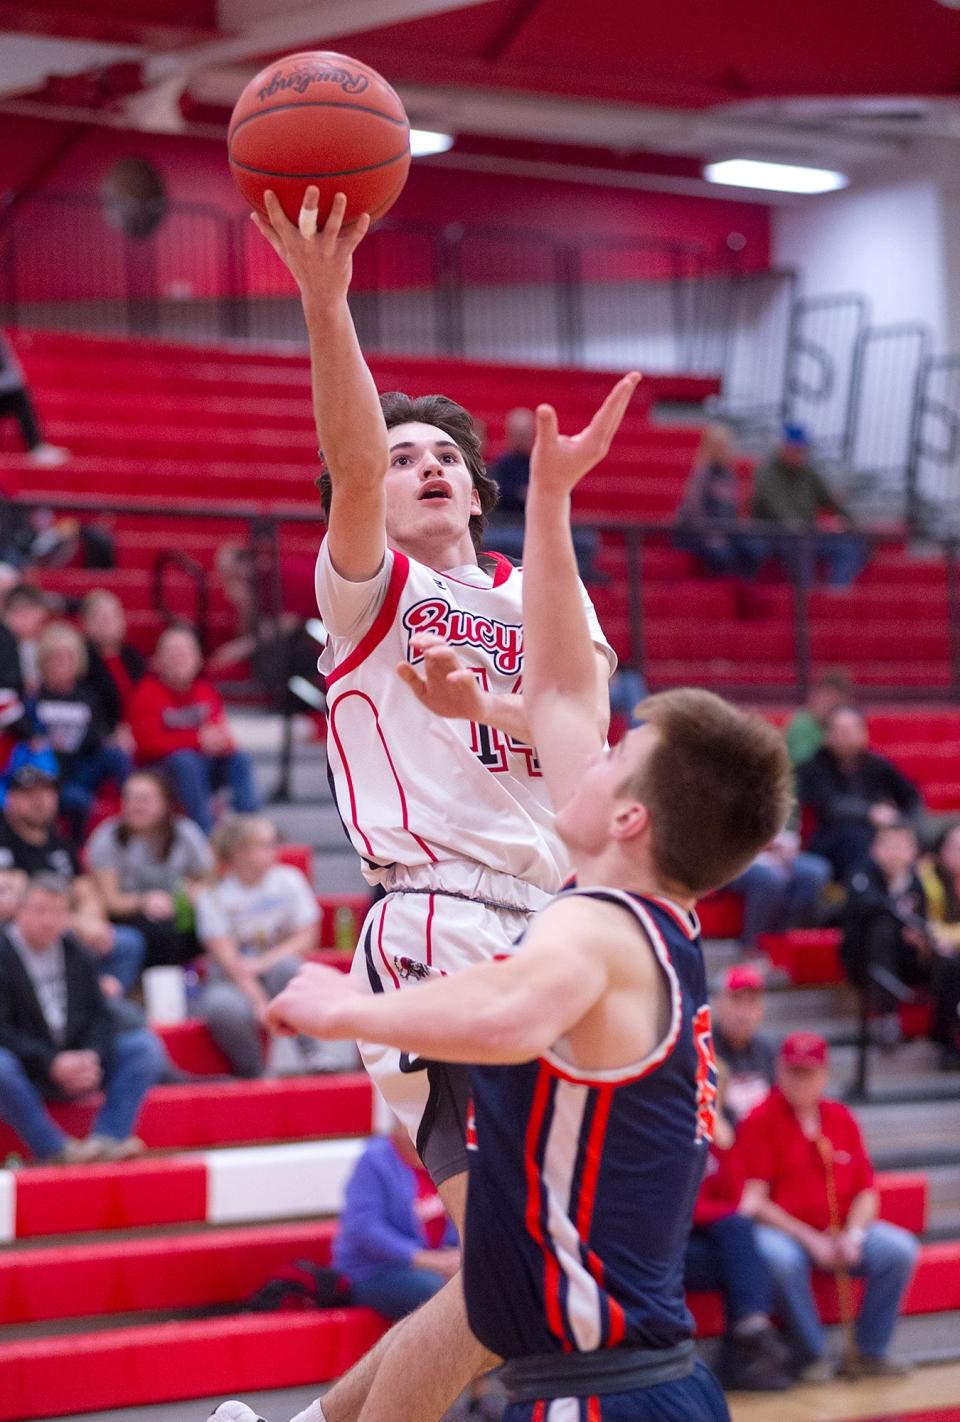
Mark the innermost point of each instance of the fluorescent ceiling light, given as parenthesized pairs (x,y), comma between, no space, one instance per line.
(774,177)
(423,142)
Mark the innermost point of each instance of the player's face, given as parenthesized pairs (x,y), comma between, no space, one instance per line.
(429,491)
(594,814)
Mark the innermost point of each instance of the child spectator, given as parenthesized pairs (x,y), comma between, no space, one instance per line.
(795,1145)
(59,1040)
(149,864)
(179,722)
(257,924)
(884,924)
(395,1244)
(745,1053)
(70,715)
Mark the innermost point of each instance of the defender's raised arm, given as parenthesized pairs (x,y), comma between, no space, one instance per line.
(559,679)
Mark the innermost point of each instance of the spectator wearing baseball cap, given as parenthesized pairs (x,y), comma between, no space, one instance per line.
(810,1187)
(746,1053)
(790,491)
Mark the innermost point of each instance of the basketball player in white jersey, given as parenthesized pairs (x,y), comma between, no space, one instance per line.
(451,816)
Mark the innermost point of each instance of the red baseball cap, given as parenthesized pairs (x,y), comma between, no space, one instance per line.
(743,978)
(804,1049)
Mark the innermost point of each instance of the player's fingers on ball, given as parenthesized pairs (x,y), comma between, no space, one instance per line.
(357,231)
(307,221)
(278,218)
(331,228)
(266,231)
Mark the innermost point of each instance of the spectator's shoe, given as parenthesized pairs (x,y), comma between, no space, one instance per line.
(127,1149)
(819,1370)
(868,1367)
(887,1032)
(49,456)
(234,1412)
(757,1363)
(74,1152)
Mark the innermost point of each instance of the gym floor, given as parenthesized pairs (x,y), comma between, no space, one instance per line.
(929,1394)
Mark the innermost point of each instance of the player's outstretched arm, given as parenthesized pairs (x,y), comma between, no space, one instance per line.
(559,678)
(510,1011)
(350,426)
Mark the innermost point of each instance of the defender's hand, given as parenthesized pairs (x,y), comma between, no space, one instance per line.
(558,462)
(310,1002)
(320,262)
(442,682)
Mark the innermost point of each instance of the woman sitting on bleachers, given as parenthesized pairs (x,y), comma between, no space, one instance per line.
(709,508)
(149,863)
(68,712)
(940,876)
(115,666)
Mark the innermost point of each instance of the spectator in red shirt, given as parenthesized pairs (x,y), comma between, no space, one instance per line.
(790,1142)
(722,1254)
(179,722)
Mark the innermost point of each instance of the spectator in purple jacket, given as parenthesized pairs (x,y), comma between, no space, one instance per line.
(395,1244)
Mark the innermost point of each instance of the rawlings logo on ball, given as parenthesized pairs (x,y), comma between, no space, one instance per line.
(301,79)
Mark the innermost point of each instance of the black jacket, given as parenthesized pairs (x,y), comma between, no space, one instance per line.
(835,795)
(14,718)
(23,1027)
(98,676)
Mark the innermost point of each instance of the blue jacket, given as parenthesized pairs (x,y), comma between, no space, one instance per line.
(379,1228)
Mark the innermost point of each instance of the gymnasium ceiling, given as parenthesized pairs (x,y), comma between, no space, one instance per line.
(645,86)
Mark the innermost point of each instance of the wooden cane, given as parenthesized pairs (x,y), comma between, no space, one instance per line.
(850,1364)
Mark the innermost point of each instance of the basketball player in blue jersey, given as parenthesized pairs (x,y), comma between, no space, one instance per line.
(592,1069)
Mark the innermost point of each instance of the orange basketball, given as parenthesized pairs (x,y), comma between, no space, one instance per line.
(322,118)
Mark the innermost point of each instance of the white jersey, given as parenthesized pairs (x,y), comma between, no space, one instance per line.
(412,788)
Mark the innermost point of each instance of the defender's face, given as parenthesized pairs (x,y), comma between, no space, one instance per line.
(589,820)
(429,490)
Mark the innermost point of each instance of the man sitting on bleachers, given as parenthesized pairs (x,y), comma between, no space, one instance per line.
(746,1054)
(790,491)
(848,791)
(179,723)
(810,1188)
(781,889)
(59,1039)
(30,842)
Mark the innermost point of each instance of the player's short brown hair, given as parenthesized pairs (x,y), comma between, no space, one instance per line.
(718,786)
(454,420)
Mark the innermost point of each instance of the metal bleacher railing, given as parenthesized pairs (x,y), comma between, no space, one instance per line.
(883,412)
(264,527)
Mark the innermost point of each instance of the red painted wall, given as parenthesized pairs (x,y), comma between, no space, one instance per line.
(44,156)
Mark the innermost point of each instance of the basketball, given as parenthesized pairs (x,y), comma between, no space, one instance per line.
(320,118)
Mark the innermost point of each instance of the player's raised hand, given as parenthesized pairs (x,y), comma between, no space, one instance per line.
(442,682)
(558,462)
(310,1003)
(320,261)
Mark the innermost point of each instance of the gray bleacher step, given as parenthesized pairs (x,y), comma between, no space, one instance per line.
(920,1339)
(916,1156)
